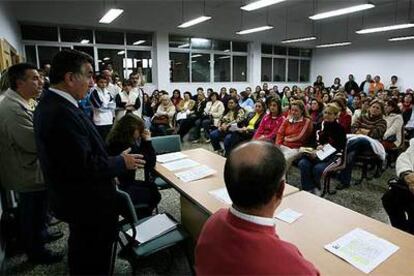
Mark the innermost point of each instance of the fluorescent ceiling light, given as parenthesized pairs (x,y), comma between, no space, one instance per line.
(111,15)
(121,52)
(254,30)
(194,21)
(385,28)
(300,39)
(260,4)
(106,58)
(227,50)
(138,42)
(223,57)
(196,55)
(84,41)
(184,45)
(401,38)
(341,11)
(99,60)
(336,44)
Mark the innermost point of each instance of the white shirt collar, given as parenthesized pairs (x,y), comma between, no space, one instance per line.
(254,219)
(65,95)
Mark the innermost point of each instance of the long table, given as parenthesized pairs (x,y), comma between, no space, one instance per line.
(196,202)
(322,221)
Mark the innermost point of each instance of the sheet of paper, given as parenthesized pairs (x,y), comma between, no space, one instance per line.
(181,116)
(168,157)
(288,215)
(195,173)
(233,127)
(153,227)
(222,195)
(362,249)
(325,151)
(180,164)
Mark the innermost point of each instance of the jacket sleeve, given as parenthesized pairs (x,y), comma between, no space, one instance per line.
(119,102)
(137,103)
(378,131)
(95,100)
(22,132)
(281,133)
(260,129)
(394,128)
(405,161)
(219,111)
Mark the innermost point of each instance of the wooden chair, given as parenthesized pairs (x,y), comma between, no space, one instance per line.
(366,160)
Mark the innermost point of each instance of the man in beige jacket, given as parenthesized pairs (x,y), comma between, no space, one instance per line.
(19,165)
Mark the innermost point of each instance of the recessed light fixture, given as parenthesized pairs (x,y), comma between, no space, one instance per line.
(106,58)
(260,4)
(342,11)
(254,30)
(194,21)
(386,28)
(138,42)
(84,41)
(299,39)
(336,44)
(111,15)
(402,38)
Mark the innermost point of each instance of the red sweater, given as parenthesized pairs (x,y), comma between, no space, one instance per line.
(229,245)
(294,135)
(268,127)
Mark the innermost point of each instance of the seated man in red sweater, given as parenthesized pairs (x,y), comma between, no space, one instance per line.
(243,239)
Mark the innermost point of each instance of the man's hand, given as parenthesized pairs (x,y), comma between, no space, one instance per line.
(132,161)
(409,179)
(146,135)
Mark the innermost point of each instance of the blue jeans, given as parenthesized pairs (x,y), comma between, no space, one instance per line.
(216,136)
(311,172)
(355,146)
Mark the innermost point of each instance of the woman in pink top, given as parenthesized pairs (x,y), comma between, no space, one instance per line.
(271,122)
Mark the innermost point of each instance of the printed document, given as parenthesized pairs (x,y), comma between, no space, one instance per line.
(326,151)
(362,249)
(288,215)
(195,173)
(180,164)
(168,157)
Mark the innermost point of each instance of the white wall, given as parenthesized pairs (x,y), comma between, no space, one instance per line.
(385,60)
(9,28)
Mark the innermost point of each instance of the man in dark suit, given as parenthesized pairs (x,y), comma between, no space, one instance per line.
(77,169)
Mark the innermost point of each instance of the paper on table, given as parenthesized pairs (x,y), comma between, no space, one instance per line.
(195,173)
(288,215)
(325,151)
(153,227)
(362,249)
(164,158)
(180,164)
(222,195)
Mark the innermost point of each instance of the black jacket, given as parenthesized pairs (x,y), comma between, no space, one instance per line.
(77,169)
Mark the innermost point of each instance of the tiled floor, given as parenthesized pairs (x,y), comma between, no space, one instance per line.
(365,199)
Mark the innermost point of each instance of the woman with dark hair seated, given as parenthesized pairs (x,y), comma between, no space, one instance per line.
(129,133)
(248,126)
(344,118)
(271,122)
(370,129)
(392,136)
(331,132)
(233,115)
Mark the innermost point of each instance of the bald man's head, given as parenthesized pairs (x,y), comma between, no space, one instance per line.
(253,173)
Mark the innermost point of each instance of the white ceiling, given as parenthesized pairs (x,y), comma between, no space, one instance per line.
(166,15)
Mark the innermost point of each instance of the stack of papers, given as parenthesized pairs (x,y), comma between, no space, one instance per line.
(325,151)
(168,157)
(195,173)
(154,227)
(288,215)
(222,195)
(361,249)
(180,164)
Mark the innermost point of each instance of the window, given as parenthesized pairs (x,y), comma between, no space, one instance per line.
(30,54)
(304,70)
(281,64)
(221,45)
(179,69)
(279,69)
(88,50)
(200,67)
(76,35)
(222,68)
(266,69)
(293,70)
(201,43)
(39,33)
(239,68)
(239,46)
(46,54)
(111,59)
(179,42)
(139,39)
(138,60)
(107,37)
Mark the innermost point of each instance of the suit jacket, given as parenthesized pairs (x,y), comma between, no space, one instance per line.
(77,169)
